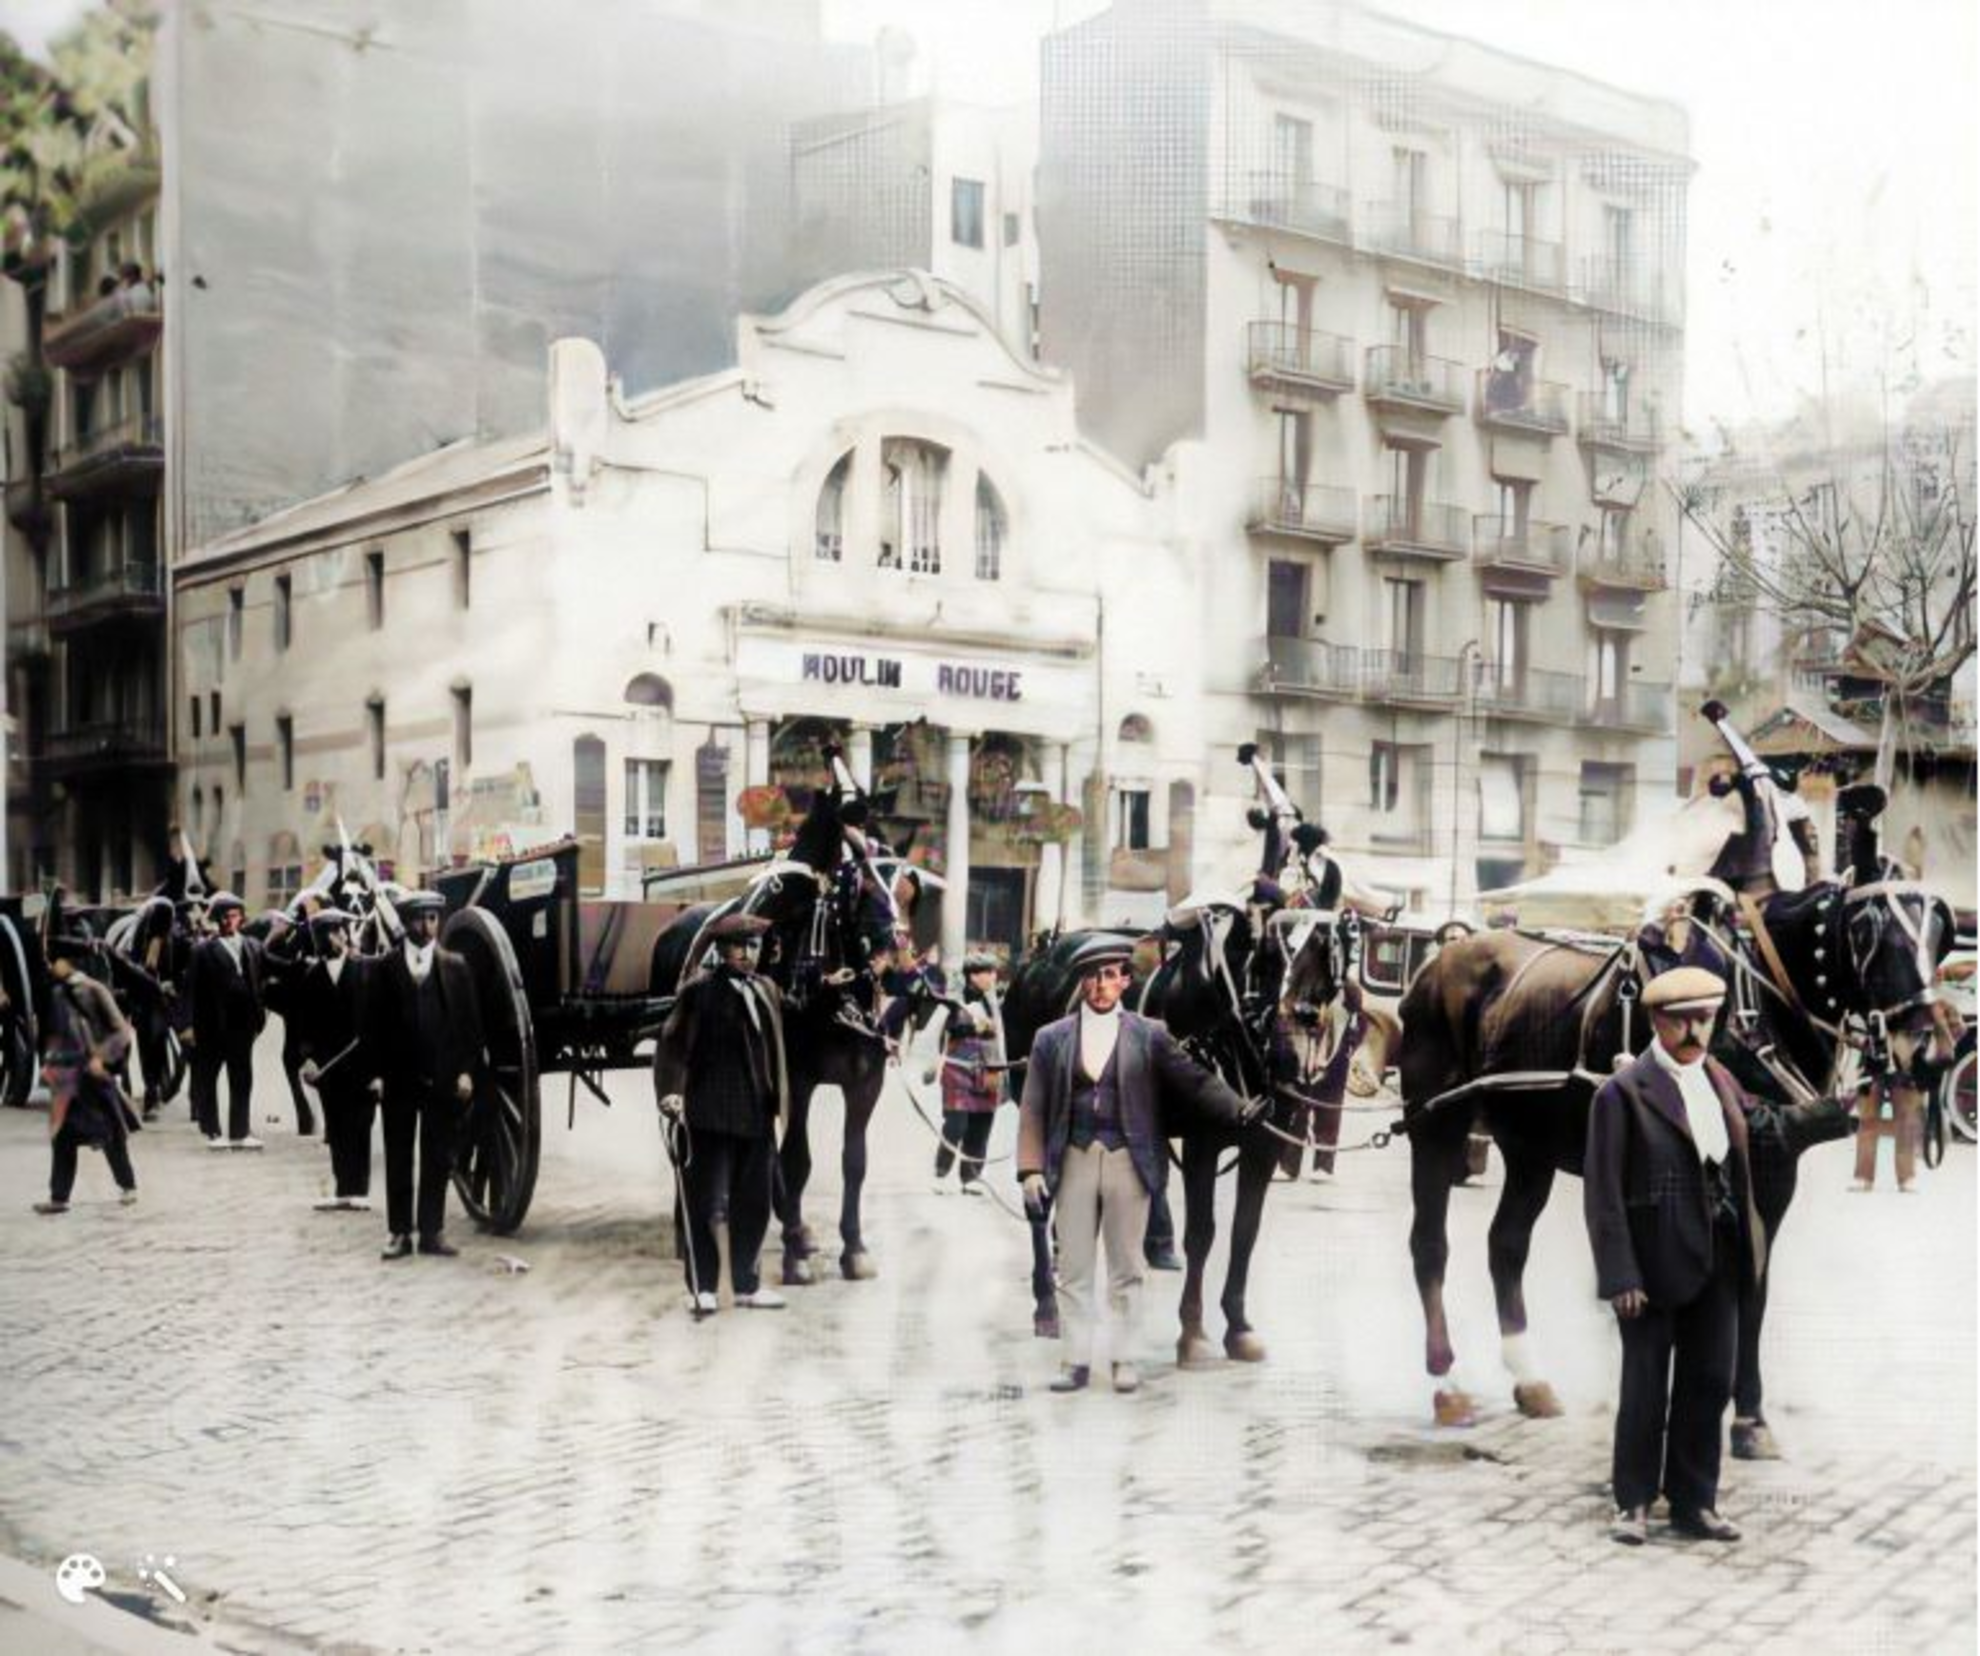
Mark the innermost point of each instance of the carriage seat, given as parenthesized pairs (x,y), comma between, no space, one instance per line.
(615,946)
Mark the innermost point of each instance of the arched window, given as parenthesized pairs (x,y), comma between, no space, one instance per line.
(912,474)
(1136,728)
(990,528)
(650,690)
(829,541)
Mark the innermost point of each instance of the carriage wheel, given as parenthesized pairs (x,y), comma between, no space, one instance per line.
(501,1133)
(20,1038)
(175,1067)
(1958,1094)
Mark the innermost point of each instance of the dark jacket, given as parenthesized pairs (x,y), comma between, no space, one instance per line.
(392,1048)
(329,1016)
(729,1068)
(1160,1087)
(227,1000)
(86,1023)
(1643,1188)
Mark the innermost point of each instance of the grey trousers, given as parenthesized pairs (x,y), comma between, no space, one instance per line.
(1100,1195)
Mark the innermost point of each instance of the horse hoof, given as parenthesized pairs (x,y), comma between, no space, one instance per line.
(1454,1408)
(801,1242)
(797,1271)
(1754,1441)
(1194,1351)
(1242,1345)
(858,1266)
(1536,1400)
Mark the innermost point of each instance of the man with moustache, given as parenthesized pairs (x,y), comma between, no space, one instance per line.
(1090,1135)
(1668,1199)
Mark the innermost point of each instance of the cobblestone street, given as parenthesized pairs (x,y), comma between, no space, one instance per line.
(443,1455)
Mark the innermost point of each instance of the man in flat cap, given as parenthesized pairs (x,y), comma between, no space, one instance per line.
(1668,1198)
(325,1009)
(719,1070)
(228,985)
(88,1040)
(1090,1135)
(423,1037)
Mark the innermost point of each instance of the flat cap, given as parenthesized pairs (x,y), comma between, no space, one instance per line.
(421,902)
(1684,989)
(733,928)
(1096,952)
(977,961)
(224,900)
(329,919)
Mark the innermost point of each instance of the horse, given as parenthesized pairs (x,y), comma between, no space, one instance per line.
(1520,1030)
(836,917)
(147,953)
(1221,989)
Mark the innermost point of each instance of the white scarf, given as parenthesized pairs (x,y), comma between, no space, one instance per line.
(419,959)
(1098,1031)
(1701,1104)
(335,967)
(232,944)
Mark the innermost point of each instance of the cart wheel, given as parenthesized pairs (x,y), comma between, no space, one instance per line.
(20,1039)
(175,1067)
(1956,1092)
(501,1133)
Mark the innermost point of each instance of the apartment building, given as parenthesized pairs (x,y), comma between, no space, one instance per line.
(1406,316)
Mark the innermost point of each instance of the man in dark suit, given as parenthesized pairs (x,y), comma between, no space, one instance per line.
(1090,1135)
(228,983)
(325,984)
(720,1069)
(1667,1191)
(423,1038)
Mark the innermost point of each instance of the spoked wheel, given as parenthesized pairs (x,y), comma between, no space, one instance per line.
(501,1133)
(175,1067)
(20,1038)
(1957,1096)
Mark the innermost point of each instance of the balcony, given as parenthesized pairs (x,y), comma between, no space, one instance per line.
(1637,706)
(1285,355)
(1635,565)
(134,592)
(1398,377)
(1623,287)
(1302,205)
(104,332)
(1528,407)
(1311,667)
(1532,548)
(128,456)
(1416,529)
(1404,678)
(1521,261)
(104,745)
(1311,511)
(1401,231)
(1602,425)
(1512,692)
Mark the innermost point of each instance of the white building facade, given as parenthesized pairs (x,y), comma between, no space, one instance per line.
(882,528)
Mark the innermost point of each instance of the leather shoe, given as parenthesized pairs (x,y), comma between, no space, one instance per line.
(1073,1377)
(51,1207)
(1126,1378)
(762,1299)
(1703,1525)
(1630,1526)
(399,1247)
(1164,1259)
(439,1246)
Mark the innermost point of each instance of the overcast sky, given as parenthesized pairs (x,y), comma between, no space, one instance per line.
(1837,145)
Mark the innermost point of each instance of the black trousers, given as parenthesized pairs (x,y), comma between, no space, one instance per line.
(967,1131)
(1677,1378)
(727,1179)
(292,1063)
(348,1109)
(236,1056)
(62,1176)
(418,1116)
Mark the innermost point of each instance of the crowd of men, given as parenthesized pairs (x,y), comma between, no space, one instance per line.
(392,1036)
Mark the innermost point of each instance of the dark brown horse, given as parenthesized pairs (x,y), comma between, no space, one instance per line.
(1516,1032)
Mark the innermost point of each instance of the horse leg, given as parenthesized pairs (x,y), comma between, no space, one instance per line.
(1199,1170)
(792,1173)
(1529,1180)
(1752,1438)
(1044,1285)
(1258,1157)
(862,1093)
(1436,1160)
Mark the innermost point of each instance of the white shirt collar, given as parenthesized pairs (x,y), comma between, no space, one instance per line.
(1098,1032)
(1702,1109)
(419,957)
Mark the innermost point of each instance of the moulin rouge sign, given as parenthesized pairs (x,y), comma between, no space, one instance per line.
(959,679)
